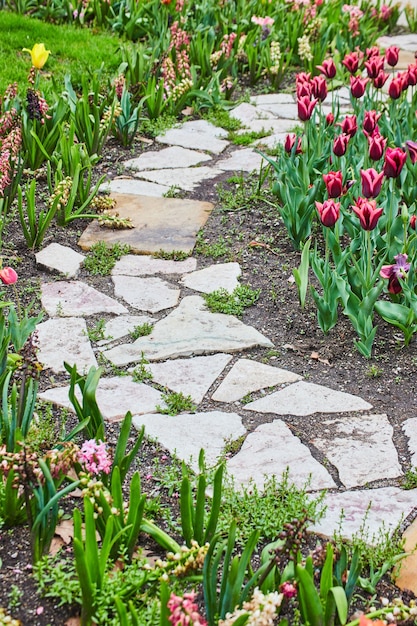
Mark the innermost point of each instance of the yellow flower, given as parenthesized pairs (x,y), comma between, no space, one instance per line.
(39,55)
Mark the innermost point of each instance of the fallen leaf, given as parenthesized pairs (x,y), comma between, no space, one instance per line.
(56,544)
(317,357)
(291,279)
(187,111)
(259,244)
(65,530)
(73,621)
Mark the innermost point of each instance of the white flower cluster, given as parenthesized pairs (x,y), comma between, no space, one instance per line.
(275,52)
(261,609)
(304,48)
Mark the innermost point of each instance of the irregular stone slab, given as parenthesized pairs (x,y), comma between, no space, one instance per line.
(64,339)
(272,125)
(122,325)
(245,160)
(75,299)
(410,430)
(408,566)
(356,445)
(307,398)
(61,259)
(190,329)
(220,276)
(168,224)
(272,98)
(168,158)
(197,134)
(115,397)
(134,265)
(272,140)
(287,111)
(247,113)
(247,376)
(192,377)
(405,42)
(186,434)
(134,187)
(146,294)
(186,179)
(378,510)
(269,451)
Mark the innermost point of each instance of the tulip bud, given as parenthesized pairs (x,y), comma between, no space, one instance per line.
(8,276)
(329,212)
(334,184)
(340,144)
(392,55)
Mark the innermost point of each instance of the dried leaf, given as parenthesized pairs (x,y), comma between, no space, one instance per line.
(56,544)
(65,530)
(317,357)
(187,111)
(73,621)
(259,244)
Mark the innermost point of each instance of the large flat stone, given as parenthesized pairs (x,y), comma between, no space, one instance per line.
(60,259)
(75,299)
(272,125)
(172,157)
(142,265)
(150,294)
(183,178)
(272,98)
(245,160)
(247,376)
(115,397)
(248,113)
(287,111)
(214,277)
(374,510)
(134,186)
(186,434)
(122,325)
(410,430)
(269,451)
(197,134)
(307,398)
(356,445)
(64,339)
(159,224)
(407,578)
(190,330)
(405,42)
(192,377)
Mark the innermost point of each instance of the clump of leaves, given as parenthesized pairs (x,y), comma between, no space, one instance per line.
(221,117)
(215,250)
(141,373)
(102,258)
(221,301)
(176,402)
(174,255)
(410,479)
(245,139)
(97,332)
(141,330)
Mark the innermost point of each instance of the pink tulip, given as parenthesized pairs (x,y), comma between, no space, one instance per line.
(8,276)
(329,212)
(371,182)
(367,212)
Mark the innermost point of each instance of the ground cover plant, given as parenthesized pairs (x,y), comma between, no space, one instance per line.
(179,556)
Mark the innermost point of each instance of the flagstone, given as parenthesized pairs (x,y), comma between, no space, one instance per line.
(270,125)
(406,578)
(142,265)
(168,224)
(61,259)
(183,178)
(287,111)
(247,376)
(75,299)
(198,134)
(172,157)
(190,330)
(270,450)
(192,377)
(272,140)
(272,98)
(115,396)
(303,398)
(150,294)
(366,513)
(186,434)
(121,326)
(405,42)
(214,277)
(356,445)
(64,339)
(244,160)
(134,186)
(247,113)
(410,431)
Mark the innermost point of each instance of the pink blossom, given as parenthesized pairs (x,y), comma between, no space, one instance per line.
(184,611)
(94,457)
(262,21)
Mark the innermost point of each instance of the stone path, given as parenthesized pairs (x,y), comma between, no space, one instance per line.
(198,353)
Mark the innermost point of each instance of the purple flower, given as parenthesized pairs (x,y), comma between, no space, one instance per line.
(394,272)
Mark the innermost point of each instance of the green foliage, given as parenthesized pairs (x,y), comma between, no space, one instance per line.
(246,138)
(215,250)
(102,258)
(221,301)
(176,402)
(97,332)
(410,479)
(174,255)
(140,372)
(141,330)
(222,118)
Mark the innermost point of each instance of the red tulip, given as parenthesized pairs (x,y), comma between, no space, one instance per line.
(357,86)
(340,144)
(289,143)
(371,182)
(370,120)
(374,65)
(329,119)
(394,162)
(412,150)
(411,74)
(377,145)
(392,55)
(8,276)
(395,88)
(349,125)
(328,212)
(380,80)
(351,62)
(319,88)
(303,89)
(413,220)
(328,68)
(305,107)
(373,52)
(334,184)
(367,212)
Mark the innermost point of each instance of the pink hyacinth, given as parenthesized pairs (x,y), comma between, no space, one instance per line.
(184,611)
(94,457)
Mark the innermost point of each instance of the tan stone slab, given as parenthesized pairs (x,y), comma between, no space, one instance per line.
(407,577)
(159,224)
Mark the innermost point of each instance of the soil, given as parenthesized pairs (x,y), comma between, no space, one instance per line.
(254,236)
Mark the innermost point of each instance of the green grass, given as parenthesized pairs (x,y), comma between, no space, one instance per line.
(221,301)
(74,51)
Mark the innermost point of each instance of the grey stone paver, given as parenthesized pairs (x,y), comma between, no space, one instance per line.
(186,179)
(247,376)
(193,377)
(196,134)
(64,340)
(115,396)
(270,450)
(375,510)
(134,186)
(150,294)
(245,160)
(248,113)
(307,398)
(286,111)
(356,445)
(272,98)
(190,329)
(121,326)
(271,125)
(76,299)
(143,265)
(172,157)
(219,276)
(410,430)
(186,434)
(61,259)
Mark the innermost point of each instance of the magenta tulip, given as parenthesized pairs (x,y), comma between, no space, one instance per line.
(357,86)
(392,55)
(334,184)
(395,159)
(8,276)
(328,68)
(340,144)
(367,212)
(329,212)
(305,107)
(377,145)
(371,182)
